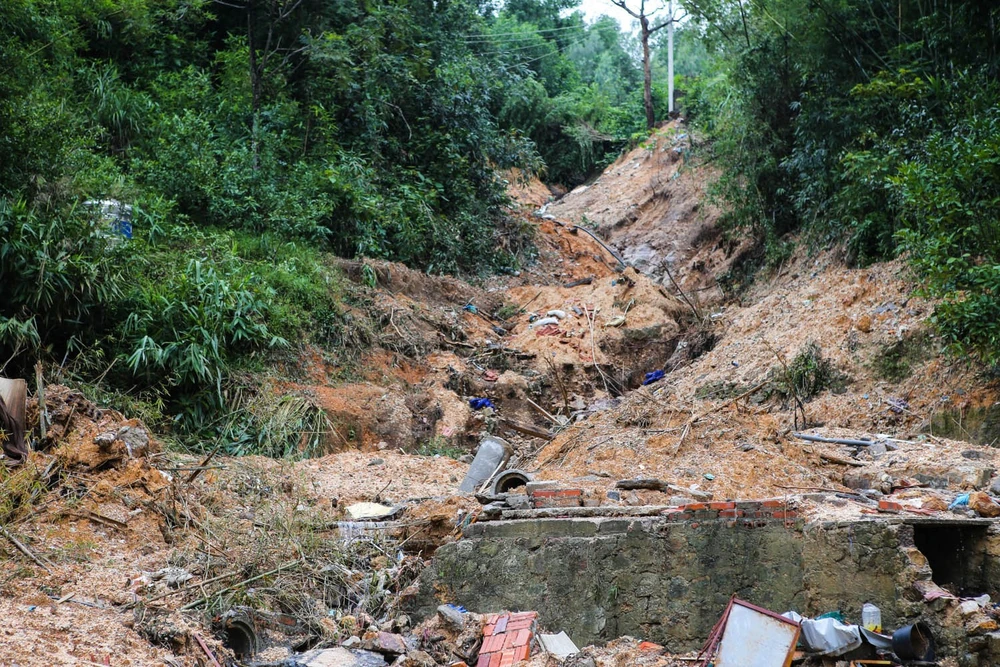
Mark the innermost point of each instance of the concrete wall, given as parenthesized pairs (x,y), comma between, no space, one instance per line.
(668,581)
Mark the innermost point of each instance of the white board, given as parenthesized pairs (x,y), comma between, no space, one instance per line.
(755,639)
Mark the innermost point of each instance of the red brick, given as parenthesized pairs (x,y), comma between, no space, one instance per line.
(773,503)
(722,506)
(492,620)
(495,659)
(460,663)
(522,624)
(491,644)
(484,660)
(730,514)
(508,640)
(786,515)
(522,653)
(649,647)
(501,625)
(521,638)
(488,630)
(678,515)
(694,507)
(521,615)
(890,505)
(507,658)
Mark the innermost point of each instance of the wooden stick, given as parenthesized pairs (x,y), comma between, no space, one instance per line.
(23,549)
(543,411)
(527,430)
(836,459)
(190,586)
(694,419)
(202,465)
(192,605)
(204,647)
(42,414)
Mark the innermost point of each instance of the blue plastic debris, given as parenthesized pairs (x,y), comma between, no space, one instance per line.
(480,403)
(653,376)
(471,308)
(960,501)
(457,607)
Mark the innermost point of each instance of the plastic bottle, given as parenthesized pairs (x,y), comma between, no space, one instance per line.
(871,618)
(493,452)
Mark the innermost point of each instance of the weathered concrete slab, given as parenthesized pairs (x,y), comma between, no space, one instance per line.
(668,581)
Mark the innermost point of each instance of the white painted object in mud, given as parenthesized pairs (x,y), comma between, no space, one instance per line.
(542,322)
(558,314)
(756,638)
(359,511)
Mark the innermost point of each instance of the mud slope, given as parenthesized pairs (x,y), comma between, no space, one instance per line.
(651,206)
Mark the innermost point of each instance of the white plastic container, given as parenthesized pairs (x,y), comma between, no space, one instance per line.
(871,618)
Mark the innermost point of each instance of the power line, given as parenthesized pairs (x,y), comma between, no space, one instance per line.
(488,36)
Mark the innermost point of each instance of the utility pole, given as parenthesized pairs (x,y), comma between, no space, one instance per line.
(670,58)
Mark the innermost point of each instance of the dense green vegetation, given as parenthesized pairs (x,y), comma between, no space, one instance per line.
(869,124)
(254,140)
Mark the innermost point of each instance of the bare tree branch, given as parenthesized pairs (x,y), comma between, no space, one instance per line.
(620,3)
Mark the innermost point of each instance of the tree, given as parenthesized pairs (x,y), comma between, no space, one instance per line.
(646,30)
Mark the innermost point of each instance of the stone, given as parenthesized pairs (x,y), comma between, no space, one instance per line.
(983,505)
(934,503)
(418,659)
(518,501)
(864,323)
(351,642)
(877,449)
(995,486)
(385,643)
(451,616)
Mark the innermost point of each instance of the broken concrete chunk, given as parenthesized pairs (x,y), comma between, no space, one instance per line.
(105,439)
(559,645)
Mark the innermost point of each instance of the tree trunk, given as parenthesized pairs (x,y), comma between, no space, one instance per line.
(255,75)
(647,83)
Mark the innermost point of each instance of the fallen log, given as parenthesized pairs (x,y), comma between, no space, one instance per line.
(527,429)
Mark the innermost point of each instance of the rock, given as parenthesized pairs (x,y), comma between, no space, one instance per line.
(864,324)
(351,642)
(105,439)
(983,505)
(136,440)
(392,644)
(973,454)
(518,501)
(376,462)
(418,659)
(451,616)
(995,487)
(934,503)
(877,449)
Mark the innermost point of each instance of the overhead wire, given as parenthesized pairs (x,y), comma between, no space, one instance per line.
(519,32)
